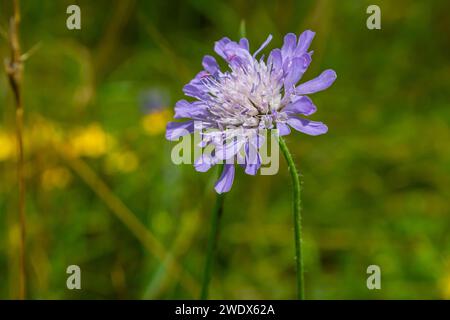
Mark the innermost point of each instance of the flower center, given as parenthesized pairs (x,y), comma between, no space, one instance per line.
(245,96)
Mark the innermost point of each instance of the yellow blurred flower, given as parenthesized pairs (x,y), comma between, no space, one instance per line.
(57,177)
(7,144)
(40,133)
(126,161)
(91,141)
(155,123)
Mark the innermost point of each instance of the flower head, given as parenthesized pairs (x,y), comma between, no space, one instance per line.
(254,94)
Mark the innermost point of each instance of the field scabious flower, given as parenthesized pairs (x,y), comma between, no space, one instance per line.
(254,94)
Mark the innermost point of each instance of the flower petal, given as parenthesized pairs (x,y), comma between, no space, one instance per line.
(313,128)
(304,41)
(283,129)
(257,140)
(174,130)
(290,41)
(302,105)
(244,44)
(194,91)
(269,38)
(196,110)
(320,83)
(210,64)
(219,46)
(226,179)
(252,160)
(275,59)
(204,163)
(295,69)
(230,149)
(235,55)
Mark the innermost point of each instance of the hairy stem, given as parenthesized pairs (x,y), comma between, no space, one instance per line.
(297,217)
(212,242)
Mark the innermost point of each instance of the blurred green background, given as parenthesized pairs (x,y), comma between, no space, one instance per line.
(102,192)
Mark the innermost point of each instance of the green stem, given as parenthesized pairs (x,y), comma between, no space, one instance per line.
(297,217)
(212,241)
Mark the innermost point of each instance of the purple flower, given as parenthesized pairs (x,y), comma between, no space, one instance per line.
(255,94)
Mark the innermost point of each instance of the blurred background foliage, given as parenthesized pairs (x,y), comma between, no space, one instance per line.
(103,194)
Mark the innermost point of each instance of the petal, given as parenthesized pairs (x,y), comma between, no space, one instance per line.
(235,55)
(204,163)
(195,110)
(174,130)
(320,83)
(199,78)
(269,38)
(304,41)
(182,107)
(252,169)
(219,46)
(252,160)
(302,105)
(229,150)
(257,140)
(295,69)
(226,179)
(244,44)
(312,128)
(275,59)
(283,129)
(290,41)
(194,91)
(210,64)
